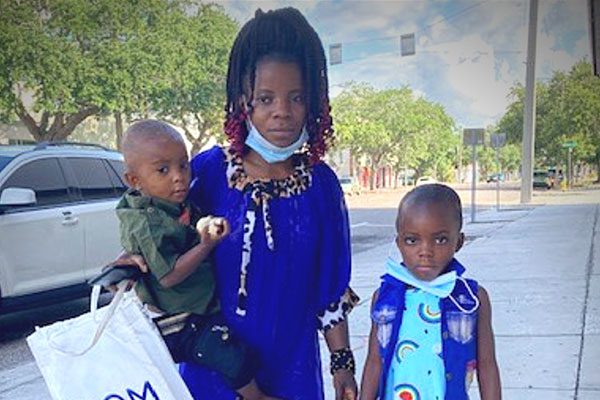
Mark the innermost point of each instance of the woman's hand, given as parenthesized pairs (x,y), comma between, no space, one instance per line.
(345,385)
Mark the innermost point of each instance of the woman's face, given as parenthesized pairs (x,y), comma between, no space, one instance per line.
(278,106)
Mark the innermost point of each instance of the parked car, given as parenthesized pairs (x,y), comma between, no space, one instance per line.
(350,185)
(498,177)
(424,180)
(541,179)
(57,220)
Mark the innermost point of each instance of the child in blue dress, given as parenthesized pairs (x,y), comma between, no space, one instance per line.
(431,327)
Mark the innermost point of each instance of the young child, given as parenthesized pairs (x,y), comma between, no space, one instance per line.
(431,327)
(158,223)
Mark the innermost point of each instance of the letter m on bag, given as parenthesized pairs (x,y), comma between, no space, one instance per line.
(147,390)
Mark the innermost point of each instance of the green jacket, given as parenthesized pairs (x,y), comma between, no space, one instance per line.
(150,227)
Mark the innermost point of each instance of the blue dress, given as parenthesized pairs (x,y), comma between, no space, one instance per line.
(282,273)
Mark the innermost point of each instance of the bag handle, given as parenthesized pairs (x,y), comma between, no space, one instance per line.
(122,288)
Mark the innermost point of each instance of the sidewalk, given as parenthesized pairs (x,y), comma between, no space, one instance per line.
(541,267)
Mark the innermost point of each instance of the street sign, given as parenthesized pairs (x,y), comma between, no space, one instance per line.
(497,140)
(335,53)
(407,44)
(473,136)
(569,145)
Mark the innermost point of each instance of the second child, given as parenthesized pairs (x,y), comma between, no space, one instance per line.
(431,327)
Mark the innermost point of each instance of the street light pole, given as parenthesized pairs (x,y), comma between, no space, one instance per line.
(529,111)
(570,166)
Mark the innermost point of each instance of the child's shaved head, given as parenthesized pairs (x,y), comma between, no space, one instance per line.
(144,132)
(432,194)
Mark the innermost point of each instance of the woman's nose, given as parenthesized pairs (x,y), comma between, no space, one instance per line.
(283,108)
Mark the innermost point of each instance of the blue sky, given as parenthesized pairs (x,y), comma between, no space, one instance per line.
(468,53)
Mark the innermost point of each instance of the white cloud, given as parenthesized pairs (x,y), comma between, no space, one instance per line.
(469,54)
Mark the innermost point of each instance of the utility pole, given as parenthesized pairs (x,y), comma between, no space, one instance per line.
(529,111)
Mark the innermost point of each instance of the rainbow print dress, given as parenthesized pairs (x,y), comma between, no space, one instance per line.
(417,368)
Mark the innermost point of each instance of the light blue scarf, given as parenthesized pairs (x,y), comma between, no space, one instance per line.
(441,286)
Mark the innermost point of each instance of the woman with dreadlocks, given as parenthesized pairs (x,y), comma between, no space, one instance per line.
(283,271)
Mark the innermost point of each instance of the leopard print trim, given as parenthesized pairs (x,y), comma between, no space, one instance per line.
(261,191)
(266,189)
(338,311)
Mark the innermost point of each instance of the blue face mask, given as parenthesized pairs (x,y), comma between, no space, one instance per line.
(267,150)
(441,286)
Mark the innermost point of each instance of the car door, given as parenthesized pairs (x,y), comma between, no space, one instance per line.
(41,246)
(99,189)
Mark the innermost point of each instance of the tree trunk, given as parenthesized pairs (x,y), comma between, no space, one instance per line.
(119,129)
(62,125)
(598,167)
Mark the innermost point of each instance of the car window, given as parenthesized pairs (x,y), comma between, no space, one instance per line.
(4,161)
(116,171)
(92,178)
(43,176)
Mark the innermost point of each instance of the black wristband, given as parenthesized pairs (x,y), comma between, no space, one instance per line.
(342,359)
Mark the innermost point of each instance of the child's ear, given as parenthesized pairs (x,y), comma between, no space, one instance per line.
(131,179)
(461,241)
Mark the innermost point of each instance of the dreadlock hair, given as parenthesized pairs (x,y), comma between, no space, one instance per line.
(434,193)
(279,35)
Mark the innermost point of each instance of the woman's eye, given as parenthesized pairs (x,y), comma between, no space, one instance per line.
(264,100)
(298,99)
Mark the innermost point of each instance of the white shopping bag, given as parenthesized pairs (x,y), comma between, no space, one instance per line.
(115,353)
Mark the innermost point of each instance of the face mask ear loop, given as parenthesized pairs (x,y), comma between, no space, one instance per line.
(393,251)
(475,307)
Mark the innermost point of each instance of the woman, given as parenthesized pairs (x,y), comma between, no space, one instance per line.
(283,271)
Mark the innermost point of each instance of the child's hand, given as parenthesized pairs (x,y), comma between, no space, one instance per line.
(212,229)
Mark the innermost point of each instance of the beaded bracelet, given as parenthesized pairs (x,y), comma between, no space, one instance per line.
(342,359)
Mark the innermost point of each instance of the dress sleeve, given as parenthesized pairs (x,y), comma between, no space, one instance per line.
(205,171)
(335,298)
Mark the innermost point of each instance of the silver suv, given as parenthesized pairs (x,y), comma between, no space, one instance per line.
(57,221)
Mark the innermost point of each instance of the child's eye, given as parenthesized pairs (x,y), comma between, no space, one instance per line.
(441,240)
(410,240)
(185,166)
(163,170)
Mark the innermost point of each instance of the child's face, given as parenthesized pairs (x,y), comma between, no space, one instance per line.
(278,106)
(161,169)
(428,237)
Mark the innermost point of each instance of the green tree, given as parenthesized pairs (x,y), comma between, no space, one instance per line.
(396,128)
(194,94)
(360,126)
(66,60)
(567,109)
